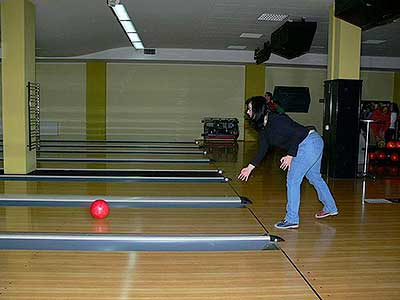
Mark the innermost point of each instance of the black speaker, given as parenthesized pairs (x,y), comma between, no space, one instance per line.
(262,55)
(342,101)
(367,13)
(293,39)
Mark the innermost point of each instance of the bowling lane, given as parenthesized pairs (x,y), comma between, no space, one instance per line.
(129,220)
(119,155)
(116,188)
(118,146)
(77,275)
(163,166)
(125,151)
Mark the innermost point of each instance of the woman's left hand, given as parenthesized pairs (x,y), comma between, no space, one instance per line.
(285,162)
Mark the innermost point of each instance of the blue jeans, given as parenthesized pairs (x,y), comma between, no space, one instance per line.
(307,163)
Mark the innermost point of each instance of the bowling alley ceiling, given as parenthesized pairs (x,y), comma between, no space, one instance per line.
(66,28)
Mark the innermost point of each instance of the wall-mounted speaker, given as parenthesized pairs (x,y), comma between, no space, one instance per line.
(293,39)
(263,54)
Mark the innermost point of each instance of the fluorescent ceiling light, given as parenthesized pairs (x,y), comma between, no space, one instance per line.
(128,26)
(237,47)
(373,42)
(251,35)
(138,45)
(126,23)
(272,17)
(121,12)
(134,37)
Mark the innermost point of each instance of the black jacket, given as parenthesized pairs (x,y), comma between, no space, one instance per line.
(280,131)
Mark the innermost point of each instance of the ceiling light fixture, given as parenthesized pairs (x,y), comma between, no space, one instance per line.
(251,35)
(373,42)
(134,37)
(121,12)
(272,17)
(128,26)
(138,45)
(123,18)
(237,47)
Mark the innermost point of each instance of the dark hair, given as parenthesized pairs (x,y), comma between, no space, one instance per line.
(395,108)
(268,94)
(259,109)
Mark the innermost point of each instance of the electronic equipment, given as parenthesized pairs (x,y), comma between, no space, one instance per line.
(220,128)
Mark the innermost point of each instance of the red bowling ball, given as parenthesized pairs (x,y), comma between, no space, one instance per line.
(394,157)
(99,209)
(391,144)
(380,170)
(381,155)
(394,171)
(372,155)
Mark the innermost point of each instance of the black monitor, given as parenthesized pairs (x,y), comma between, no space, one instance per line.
(292,98)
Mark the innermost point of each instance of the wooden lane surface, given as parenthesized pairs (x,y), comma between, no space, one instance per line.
(140,275)
(158,166)
(76,275)
(125,156)
(383,188)
(129,220)
(116,188)
(131,165)
(354,255)
(117,146)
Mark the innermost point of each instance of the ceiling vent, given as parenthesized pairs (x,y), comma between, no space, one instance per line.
(112,3)
(150,51)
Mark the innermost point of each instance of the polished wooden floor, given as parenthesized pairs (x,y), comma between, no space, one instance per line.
(354,255)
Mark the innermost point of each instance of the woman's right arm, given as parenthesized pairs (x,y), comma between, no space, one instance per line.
(262,150)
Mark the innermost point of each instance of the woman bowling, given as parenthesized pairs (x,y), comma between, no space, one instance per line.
(304,153)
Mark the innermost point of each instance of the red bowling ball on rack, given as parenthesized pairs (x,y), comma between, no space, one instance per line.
(381,155)
(394,157)
(391,145)
(99,209)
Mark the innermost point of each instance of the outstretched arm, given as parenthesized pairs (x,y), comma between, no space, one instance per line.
(245,173)
(285,162)
(262,149)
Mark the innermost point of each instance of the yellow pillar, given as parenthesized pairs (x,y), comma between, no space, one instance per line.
(344,48)
(254,86)
(96,86)
(18,68)
(396,88)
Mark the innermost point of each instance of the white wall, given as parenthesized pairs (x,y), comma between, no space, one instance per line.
(154,100)
(168,101)
(63,96)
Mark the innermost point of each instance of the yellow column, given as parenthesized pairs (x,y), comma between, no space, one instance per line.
(254,86)
(96,85)
(18,68)
(396,88)
(344,49)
